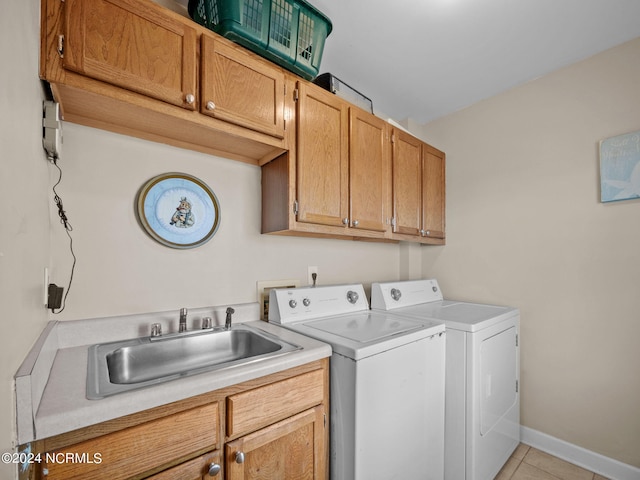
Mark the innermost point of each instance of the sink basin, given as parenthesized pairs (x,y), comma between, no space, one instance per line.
(130,364)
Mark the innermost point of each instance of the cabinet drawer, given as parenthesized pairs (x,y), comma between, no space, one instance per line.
(137,449)
(254,409)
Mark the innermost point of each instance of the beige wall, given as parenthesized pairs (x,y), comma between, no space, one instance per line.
(525,227)
(122,270)
(24,193)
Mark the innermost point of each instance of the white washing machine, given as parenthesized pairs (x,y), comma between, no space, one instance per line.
(482,399)
(387,382)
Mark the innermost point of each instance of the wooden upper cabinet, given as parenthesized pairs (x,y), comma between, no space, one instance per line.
(240,88)
(369,171)
(125,44)
(433,197)
(322,157)
(407,183)
(418,190)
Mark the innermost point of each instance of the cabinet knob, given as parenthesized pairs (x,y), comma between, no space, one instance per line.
(211,105)
(423,233)
(239,457)
(345,221)
(214,469)
(190,98)
(356,223)
(427,233)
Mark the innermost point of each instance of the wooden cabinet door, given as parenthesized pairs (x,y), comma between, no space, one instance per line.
(128,44)
(322,157)
(200,468)
(433,196)
(291,449)
(368,171)
(240,88)
(407,183)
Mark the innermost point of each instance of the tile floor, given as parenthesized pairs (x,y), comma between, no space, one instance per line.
(528,463)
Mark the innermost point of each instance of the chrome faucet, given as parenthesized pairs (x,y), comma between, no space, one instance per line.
(227,322)
(183,320)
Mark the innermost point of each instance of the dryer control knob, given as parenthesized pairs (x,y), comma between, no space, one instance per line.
(293,303)
(396,294)
(306,302)
(352,296)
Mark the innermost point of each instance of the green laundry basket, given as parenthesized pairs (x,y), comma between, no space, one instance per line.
(290,33)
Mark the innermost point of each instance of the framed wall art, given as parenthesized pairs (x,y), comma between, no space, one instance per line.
(620,167)
(178,210)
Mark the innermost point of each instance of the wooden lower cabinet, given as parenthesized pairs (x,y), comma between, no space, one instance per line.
(204,467)
(273,427)
(290,449)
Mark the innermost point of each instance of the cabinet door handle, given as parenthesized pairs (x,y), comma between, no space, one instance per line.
(345,221)
(356,223)
(239,457)
(190,98)
(423,233)
(214,469)
(211,105)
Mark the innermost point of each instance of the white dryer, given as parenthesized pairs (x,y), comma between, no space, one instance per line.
(387,382)
(482,392)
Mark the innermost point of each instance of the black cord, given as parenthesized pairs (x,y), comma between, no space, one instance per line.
(67,228)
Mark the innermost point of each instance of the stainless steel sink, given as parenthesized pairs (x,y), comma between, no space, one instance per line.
(130,364)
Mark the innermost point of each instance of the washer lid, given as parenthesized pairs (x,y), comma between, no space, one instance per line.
(364,329)
(360,335)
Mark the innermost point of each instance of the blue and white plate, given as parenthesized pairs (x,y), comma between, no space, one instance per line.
(178,210)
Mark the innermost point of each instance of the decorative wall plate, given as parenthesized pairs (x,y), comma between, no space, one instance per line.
(178,210)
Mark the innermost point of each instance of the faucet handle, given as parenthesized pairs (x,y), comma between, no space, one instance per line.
(183,320)
(156,330)
(207,322)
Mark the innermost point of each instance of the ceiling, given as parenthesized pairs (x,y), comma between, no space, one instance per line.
(422,59)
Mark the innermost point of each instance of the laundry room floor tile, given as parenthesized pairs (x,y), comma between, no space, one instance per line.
(528,463)
(556,467)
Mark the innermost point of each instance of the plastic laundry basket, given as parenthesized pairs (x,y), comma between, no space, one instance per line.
(290,33)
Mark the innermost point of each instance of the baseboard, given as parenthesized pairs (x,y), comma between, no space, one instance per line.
(605,466)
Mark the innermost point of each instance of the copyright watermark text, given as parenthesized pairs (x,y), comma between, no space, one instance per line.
(23,458)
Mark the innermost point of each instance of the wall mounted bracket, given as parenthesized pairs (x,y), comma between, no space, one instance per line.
(51,129)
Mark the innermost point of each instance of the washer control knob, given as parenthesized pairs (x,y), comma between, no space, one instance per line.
(352,296)
(293,303)
(306,302)
(396,294)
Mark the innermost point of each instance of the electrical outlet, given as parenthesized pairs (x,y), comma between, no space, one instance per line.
(310,272)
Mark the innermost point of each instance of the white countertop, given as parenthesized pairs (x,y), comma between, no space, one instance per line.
(51,383)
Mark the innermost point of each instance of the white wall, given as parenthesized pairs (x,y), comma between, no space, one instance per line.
(24,193)
(525,227)
(121,270)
